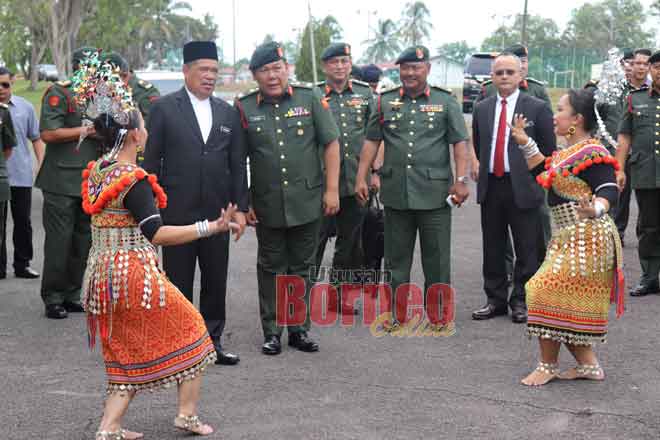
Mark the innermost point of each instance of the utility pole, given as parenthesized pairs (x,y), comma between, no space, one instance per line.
(311,38)
(233,14)
(524,26)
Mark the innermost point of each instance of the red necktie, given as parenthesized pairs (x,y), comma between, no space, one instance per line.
(498,166)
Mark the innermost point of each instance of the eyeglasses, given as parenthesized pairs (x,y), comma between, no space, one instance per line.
(501,72)
(5,85)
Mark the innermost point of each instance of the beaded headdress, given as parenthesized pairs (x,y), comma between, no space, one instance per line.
(99,89)
(610,88)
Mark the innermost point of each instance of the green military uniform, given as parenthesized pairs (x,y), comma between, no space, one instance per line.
(284,137)
(641,121)
(7,142)
(144,95)
(67,227)
(351,110)
(416,175)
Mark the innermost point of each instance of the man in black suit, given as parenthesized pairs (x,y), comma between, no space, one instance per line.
(508,194)
(196,148)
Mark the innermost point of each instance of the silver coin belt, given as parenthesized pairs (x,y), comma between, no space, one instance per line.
(108,270)
(582,246)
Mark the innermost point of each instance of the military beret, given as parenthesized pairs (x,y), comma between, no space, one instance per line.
(336,50)
(266,53)
(655,58)
(116,60)
(518,50)
(199,50)
(628,54)
(79,54)
(371,73)
(356,72)
(412,54)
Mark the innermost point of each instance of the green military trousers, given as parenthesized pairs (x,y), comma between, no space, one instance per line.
(284,251)
(401,228)
(348,244)
(66,246)
(649,233)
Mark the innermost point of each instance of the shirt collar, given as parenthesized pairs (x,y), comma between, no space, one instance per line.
(509,99)
(287,92)
(194,98)
(426,92)
(328,88)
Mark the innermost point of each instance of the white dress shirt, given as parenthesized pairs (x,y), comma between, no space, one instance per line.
(511,101)
(202,109)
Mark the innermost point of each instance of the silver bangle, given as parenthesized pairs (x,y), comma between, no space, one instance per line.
(530,149)
(203,229)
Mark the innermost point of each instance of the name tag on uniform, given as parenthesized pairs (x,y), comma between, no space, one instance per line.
(641,106)
(256,118)
(224,129)
(297,112)
(431,108)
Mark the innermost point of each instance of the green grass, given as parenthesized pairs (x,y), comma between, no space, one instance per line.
(22,88)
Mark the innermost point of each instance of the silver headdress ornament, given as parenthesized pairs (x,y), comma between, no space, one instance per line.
(610,89)
(99,89)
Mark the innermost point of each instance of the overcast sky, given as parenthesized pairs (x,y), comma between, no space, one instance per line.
(473,22)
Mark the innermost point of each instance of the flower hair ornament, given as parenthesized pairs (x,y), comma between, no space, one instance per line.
(610,89)
(98,89)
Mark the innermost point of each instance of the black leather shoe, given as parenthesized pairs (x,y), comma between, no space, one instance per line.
(72,307)
(3,275)
(27,272)
(643,289)
(303,342)
(272,345)
(56,311)
(519,314)
(226,358)
(487,312)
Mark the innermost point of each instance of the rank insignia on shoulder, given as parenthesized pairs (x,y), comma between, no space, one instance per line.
(297,112)
(145,84)
(431,108)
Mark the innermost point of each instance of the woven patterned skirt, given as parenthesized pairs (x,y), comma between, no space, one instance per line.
(146,348)
(568,298)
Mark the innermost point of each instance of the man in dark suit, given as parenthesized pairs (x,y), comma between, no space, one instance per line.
(196,148)
(508,195)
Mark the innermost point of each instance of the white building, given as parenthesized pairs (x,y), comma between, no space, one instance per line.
(446,73)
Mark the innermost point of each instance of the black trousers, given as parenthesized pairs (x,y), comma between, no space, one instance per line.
(212,253)
(20,206)
(621,211)
(499,213)
(649,233)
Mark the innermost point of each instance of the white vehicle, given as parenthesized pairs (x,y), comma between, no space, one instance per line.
(165,81)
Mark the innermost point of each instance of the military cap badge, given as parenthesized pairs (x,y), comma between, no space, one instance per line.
(420,53)
(280,52)
(347,49)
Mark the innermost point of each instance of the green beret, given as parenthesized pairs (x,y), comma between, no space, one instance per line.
(413,54)
(116,60)
(518,50)
(79,54)
(336,50)
(655,58)
(265,54)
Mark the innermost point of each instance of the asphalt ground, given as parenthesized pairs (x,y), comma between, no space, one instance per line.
(357,386)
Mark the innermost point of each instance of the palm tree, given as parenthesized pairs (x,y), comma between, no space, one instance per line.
(158,29)
(415,25)
(384,46)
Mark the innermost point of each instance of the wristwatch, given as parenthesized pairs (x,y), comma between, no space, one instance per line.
(462,179)
(375,170)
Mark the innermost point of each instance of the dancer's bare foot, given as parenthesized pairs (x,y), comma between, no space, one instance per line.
(131,435)
(585,371)
(192,424)
(543,374)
